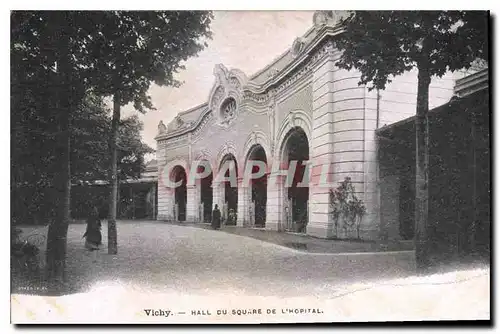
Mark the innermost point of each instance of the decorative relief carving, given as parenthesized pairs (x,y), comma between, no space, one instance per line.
(293,119)
(217,97)
(202,124)
(177,141)
(273,72)
(235,83)
(327,49)
(271,114)
(254,137)
(320,18)
(224,99)
(228,110)
(203,154)
(179,122)
(297,46)
(305,70)
(330,18)
(221,73)
(259,98)
(161,128)
(266,99)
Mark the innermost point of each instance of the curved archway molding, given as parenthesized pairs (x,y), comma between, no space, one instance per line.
(277,200)
(295,118)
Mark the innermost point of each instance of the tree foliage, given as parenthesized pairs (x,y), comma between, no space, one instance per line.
(384,44)
(133,49)
(34,158)
(90,149)
(117,53)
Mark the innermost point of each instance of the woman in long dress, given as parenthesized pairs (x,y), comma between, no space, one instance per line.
(93,236)
(216,218)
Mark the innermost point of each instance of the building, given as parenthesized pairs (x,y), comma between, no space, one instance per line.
(137,197)
(459,222)
(300,107)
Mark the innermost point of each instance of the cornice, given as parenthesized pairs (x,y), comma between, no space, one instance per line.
(185,130)
(311,53)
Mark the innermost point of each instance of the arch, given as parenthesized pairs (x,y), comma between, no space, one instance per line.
(205,155)
(256,137)
(179,174)
(228,190)
(205,193)
(296,146)
(166,171)
(294,119)
(255,197)
(227,148)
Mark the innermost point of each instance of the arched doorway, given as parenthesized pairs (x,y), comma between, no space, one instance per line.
(206,192)
(180,198)
(258,188)
(229,189)
(296,148)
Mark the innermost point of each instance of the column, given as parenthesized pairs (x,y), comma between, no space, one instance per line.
(197,202)
(191,205)
(218,195)
(242,214)
(165,194)
(166,199)
(274,204)
(153,200)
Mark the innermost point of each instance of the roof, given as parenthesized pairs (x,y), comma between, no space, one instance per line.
(468,103)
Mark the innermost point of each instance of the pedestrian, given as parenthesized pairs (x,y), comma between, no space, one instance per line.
(216,218)
(93,237)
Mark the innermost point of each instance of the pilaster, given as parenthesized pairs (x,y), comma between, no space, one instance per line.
(192,204)
(321,152)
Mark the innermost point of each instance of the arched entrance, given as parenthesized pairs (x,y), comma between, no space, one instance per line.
(180,198)
(229,189)
(296,148)
(258,188)
(206,192)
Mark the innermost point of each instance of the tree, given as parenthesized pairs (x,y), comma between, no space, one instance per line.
(131,51)
(64,47)
(384,44)
(34,161)
(90,150)
(51,45)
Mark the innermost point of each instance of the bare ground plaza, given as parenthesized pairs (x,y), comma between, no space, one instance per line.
(190,268)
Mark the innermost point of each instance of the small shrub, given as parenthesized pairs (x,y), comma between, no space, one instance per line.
(346,209)
(24,255)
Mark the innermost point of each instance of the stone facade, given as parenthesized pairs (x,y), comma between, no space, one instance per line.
(301,89)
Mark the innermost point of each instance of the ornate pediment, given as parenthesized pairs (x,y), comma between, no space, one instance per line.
(226,93)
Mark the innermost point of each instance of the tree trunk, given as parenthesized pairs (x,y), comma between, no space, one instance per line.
(422,242)
(58,229)
(113,178)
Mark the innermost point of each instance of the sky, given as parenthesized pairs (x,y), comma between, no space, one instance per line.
(247,40)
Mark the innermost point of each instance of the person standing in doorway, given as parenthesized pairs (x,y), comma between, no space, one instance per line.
(216,218)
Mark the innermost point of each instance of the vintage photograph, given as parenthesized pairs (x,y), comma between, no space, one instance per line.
(250,167)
